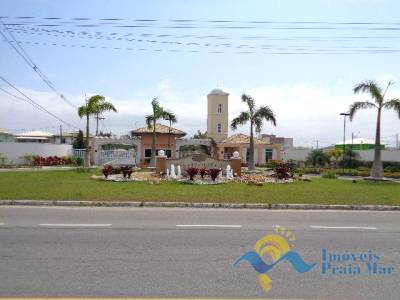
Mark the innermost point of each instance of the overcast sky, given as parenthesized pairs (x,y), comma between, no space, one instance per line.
(302,58)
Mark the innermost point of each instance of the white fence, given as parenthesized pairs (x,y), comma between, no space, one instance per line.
(14,152)
(105,156)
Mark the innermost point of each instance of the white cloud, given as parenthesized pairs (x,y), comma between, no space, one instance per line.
(304,111)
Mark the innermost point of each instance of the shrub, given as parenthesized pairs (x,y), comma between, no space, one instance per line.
(317,157)
(126,171)
(203,172)
(50,161)
(192,172)
(281,172)
(214,173)
(107,170)
(329,175)
(78,161)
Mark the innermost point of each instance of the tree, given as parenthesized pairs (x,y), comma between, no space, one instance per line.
(151,121)
(378,102)
(318,158)
(169,116)
(334,154)
(350,159)
(200,135)
(79,143)
(93,106)
(255,116)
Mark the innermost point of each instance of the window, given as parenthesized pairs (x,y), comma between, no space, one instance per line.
(219,108)
(219,128)
(268,155)
(147,153)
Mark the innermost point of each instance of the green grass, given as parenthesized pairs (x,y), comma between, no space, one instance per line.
(70,185)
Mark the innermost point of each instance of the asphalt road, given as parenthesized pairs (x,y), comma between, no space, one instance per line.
(154,252)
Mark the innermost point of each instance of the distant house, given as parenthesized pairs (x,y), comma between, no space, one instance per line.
(264,151)
(358,144)
(165,140)
(35,136)
(6,136)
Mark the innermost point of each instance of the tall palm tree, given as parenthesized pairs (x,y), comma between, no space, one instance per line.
(255,116)
(93,106)
(171,117)
(102,107)
(151,120)
(378,96)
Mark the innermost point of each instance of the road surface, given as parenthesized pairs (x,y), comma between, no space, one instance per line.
(178,252)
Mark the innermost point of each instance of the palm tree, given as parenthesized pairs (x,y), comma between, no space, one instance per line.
(93,106)
(255,116)
(151,120)
(101,107)
(171,117)
(378,96)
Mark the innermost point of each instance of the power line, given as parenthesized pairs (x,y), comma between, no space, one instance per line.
(31,63)
(32,102)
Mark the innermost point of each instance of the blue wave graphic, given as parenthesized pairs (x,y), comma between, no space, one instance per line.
(261,267)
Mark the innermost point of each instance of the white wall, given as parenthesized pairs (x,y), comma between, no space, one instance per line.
(387,155)
(14,151)
(296,154)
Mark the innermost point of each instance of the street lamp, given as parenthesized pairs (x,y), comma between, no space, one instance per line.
(344,133)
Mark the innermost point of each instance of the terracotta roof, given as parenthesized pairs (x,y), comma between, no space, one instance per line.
(241,138)
(160,128)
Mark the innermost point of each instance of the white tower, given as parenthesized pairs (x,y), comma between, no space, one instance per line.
(217,115)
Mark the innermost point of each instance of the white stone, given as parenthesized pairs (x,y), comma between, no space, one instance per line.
(179,172)
(236,154)
(173,175)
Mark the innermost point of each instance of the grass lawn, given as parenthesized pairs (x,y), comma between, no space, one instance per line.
(70,185)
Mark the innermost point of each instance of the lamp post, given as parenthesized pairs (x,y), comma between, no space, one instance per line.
(344,134)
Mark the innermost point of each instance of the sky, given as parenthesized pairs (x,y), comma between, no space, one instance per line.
(301,58)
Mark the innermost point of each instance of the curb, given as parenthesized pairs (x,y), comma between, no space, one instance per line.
(197,205)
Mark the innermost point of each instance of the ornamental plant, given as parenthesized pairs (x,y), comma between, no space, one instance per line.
(281,172)
(107,170)
(126,171)
(192,172)
(203,172)
(214,173)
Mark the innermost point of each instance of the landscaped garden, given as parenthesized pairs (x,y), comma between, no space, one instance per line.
(73,185)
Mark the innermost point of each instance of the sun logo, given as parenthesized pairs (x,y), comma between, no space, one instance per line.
(273,248)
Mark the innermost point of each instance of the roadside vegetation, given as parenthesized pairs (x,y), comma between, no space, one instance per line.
(71,185)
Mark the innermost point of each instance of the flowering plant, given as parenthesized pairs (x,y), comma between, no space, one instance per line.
(192,172)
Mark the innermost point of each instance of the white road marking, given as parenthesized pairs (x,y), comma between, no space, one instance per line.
(75,225)
(343,227)
(209,225)
(1,224)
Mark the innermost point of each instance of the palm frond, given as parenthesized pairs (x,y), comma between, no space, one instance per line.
(258,124)
(149,121)
(82,111)
(170,116)
(105,106)
(242,119)
(356,106)
(250,102)
(393,104)
(265,113)
(371,87)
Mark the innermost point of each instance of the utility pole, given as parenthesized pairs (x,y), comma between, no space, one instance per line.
(97,123)
(61,135)
(344,134)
